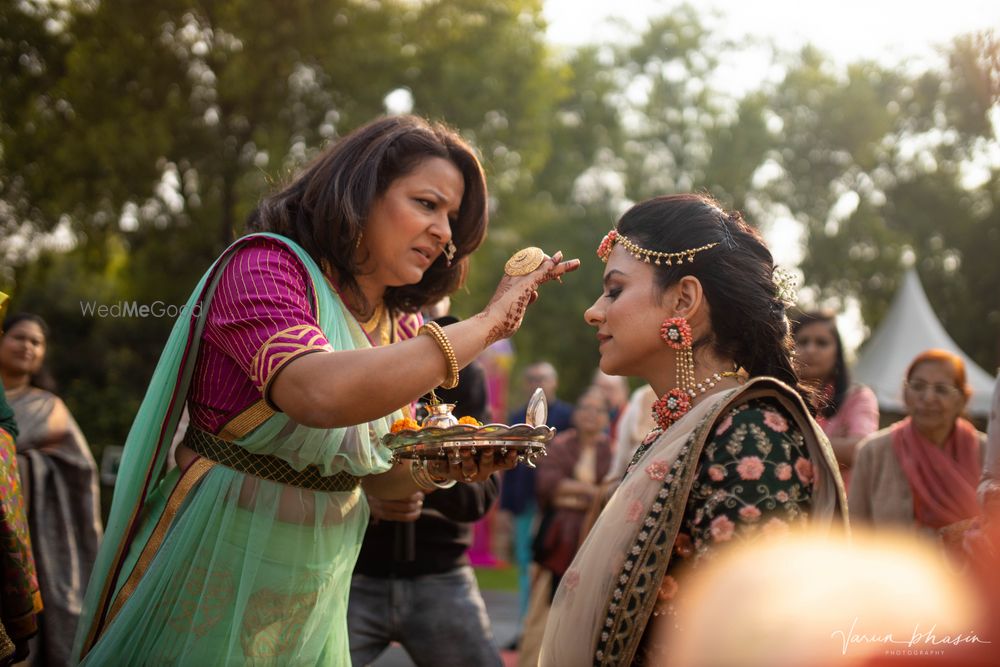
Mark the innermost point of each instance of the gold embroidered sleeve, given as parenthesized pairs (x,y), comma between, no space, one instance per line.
(281,348)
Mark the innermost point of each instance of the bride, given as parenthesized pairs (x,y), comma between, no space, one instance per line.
(691,306)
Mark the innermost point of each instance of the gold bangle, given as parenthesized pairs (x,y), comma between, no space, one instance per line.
(434,330)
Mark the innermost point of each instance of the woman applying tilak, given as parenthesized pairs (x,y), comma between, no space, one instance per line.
(295,354)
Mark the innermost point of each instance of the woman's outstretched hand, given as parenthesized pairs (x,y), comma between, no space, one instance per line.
(515,293)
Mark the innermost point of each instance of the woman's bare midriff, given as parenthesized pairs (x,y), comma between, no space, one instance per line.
(294,505)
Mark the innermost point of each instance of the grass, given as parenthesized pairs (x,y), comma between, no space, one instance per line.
(497,578)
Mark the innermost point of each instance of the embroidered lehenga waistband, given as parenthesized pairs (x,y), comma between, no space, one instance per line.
(266,466)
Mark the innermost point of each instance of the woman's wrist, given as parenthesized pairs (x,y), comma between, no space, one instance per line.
(425,480)
(492,326)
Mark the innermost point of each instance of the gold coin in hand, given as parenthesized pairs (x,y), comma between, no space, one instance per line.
(524,261)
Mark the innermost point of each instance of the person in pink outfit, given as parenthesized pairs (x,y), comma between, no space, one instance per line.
(847,412)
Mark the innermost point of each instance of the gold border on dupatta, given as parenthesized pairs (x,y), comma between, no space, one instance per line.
(631,603)
(195,472)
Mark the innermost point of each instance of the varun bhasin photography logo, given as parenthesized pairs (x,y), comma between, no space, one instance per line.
(135,309)
(917,642)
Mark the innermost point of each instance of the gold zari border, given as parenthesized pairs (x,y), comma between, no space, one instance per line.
(184,486)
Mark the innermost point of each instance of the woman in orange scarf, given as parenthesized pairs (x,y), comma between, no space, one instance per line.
(922,471)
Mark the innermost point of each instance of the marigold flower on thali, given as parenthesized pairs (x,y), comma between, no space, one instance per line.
(404,424)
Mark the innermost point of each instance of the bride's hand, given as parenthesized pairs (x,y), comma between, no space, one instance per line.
(515,293)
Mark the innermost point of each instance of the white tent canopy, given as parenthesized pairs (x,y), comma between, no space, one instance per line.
(909,328)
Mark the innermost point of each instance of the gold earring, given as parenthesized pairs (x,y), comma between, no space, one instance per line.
(449,252)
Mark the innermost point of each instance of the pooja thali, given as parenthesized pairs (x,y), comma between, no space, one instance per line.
(441,436)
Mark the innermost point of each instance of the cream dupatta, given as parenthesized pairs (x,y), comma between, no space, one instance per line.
(605,599)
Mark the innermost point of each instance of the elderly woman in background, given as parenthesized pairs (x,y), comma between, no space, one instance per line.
(922,471)
(847,412)
(58,481)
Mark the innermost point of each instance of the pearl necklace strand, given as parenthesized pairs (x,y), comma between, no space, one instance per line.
(709,383)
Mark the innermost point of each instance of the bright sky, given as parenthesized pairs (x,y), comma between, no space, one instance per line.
(847,29)
(890,31)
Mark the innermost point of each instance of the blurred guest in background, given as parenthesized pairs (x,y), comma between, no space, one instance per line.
(922,471)
(20,599)
(569,478)
(635,423)
(518,493)
(989,485)
(59,483)
(615,390)
(847,412)
(498,362)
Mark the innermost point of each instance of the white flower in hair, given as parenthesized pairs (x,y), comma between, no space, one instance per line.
(786,286)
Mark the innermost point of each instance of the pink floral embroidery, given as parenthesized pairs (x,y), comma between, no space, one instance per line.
(571,579)
(750,467)
(657,470)
(783,471)
(717,473)
(804,469)
(781,496)
(775,527)
(722,529)
(724,425)
(633,512)
(775,422)
(668,589)
(749,513)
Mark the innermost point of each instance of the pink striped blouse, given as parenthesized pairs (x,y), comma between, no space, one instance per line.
(260,318)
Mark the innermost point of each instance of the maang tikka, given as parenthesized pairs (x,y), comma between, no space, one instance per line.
(644,254)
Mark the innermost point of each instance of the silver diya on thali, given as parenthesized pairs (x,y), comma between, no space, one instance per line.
(442,435)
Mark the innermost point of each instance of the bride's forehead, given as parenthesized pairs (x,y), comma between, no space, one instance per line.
(620,261)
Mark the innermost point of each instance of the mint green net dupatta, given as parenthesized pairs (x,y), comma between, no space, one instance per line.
(208,565)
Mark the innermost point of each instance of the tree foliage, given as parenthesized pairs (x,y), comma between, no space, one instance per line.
(881,168)
(148,131)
